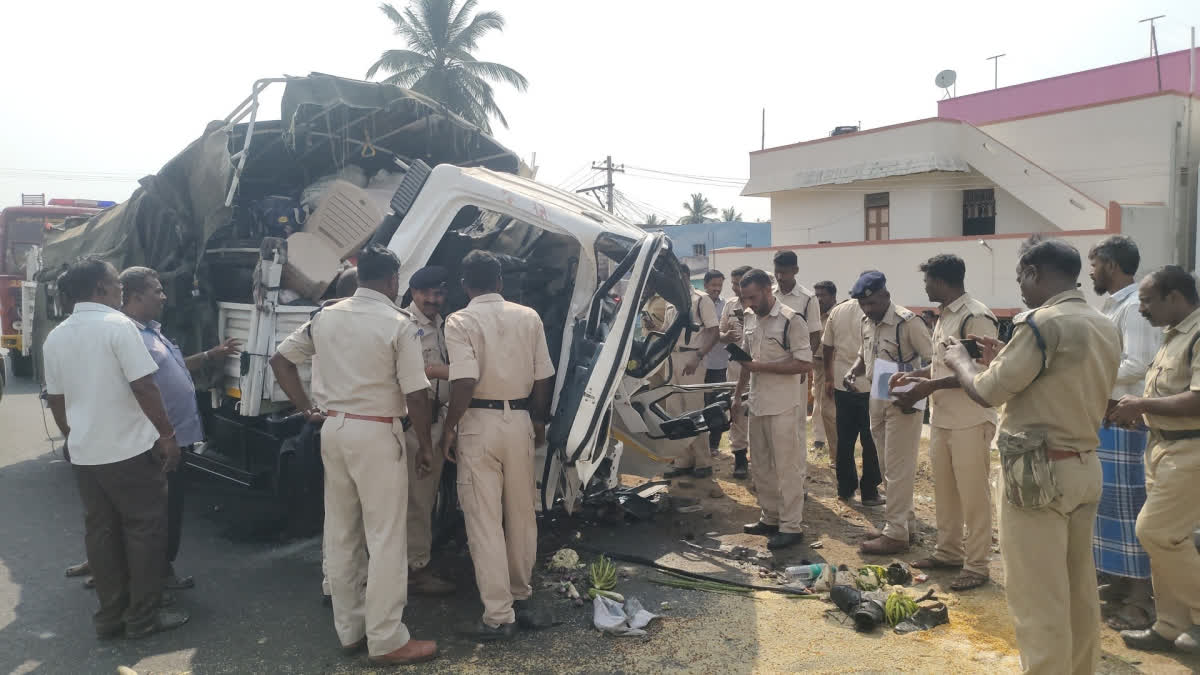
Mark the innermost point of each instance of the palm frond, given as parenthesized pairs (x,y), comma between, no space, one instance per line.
(416,32)
(435,17)
(484,22)
(398,60)
(392,13)
(496,71)
(460,19)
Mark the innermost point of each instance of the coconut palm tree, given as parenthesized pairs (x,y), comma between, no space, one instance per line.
(730,215)
(442,36)
(699,210)
(653,220)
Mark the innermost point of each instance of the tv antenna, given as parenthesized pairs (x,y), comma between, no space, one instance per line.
(1154,46)
(946,80)
(995,69)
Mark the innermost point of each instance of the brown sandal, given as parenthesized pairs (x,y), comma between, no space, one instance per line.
(1127,618)
(968,580)
(934,564)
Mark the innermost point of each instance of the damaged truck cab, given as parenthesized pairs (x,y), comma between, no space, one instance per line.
(250,224)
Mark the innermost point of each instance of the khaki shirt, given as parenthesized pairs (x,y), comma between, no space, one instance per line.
(704,314)
(370,355)
(901,337)
(763,339)
(843,332)
(804,303)
(1067,398)
(433,349)
(953,408)
(501,345)
(1172,372)
(731,315)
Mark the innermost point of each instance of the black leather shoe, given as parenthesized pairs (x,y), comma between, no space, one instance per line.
(479,630)
(741,466)
(164,621)
(760,528)
(784,540)
(678,472)
(1147,641)
(532,615)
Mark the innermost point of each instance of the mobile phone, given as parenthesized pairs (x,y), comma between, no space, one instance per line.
(737,353)
(973,348)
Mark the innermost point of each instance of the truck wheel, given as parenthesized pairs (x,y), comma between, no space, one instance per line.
(446,515)
(22,365)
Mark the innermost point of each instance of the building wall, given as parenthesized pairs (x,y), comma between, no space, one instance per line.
(806,217)
(1014,217)
(1120,152)
(1121,80)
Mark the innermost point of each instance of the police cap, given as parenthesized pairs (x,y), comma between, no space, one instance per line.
(868,284)
(428,277)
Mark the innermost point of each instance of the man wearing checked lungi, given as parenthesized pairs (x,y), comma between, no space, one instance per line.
(1120,559)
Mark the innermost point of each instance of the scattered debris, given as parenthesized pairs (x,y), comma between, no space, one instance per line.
(870,577)
(817,545)
(624,621)
(689,509)
(899,574)
(664,606)
(565,559)
(603,576)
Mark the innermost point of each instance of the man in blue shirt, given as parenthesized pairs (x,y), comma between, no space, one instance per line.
(144,300)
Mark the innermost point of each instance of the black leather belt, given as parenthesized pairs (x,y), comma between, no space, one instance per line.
(1177,434)
(498,404)
(687,349)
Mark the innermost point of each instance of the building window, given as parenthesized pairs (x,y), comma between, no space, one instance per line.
(698,250)
(979,212)
(878,216)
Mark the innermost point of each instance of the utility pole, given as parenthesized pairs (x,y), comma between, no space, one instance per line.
(609,169)
(995,69)
(1154,46)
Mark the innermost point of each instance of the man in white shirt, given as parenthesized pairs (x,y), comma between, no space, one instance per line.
(101,391)
(1128,602)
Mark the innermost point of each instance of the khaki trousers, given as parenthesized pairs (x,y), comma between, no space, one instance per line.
(1164,527)
(422,493)
(962,492)
(1051,575)
(366,499)
(824,413)
(739,426)
(696,453)
(779,460)
(897,439)
(496,490)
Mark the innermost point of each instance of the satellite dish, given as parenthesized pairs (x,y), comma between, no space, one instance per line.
(945,80)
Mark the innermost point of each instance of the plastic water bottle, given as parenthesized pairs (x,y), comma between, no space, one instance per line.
(805,573)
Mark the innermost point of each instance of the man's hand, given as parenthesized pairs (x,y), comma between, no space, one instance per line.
(829,388)
(539,433)
(956,353)
(848,380)
(449,438)
(315,416)
(900,379)
(424,462)
(692,364)
(167,451)
(988,346)
(908,399)
(1127,412)
(227,348)
(735,406)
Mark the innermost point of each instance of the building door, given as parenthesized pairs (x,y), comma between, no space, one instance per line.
(979,212)
(877,216)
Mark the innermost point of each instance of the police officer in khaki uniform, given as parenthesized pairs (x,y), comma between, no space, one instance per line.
(693,345)
(891,333)
(824,410)
(960,430)
(501,379)
(428,289)
(730,326)
(1171,408)
(372,376)
(1053,380)
(841,341)
(802,300)
(777,340)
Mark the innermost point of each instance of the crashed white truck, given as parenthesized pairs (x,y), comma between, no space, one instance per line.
(249,225)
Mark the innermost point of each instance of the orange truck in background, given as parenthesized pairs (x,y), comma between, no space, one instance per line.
(23,228)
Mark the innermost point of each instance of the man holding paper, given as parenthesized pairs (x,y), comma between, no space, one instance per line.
(894,340)
(960,431)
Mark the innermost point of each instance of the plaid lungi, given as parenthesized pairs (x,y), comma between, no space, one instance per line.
(1114,541)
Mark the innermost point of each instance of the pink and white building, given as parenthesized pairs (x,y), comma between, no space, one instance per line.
(1078,156)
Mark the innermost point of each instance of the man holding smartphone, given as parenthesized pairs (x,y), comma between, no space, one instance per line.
(960,432)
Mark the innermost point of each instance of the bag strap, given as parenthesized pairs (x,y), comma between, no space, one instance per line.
(1041,342)
(787,338)
(962,329)
(1191,346)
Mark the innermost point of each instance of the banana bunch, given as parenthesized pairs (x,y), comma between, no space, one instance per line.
(899,607)
(604,579)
